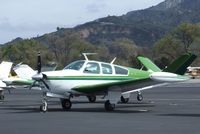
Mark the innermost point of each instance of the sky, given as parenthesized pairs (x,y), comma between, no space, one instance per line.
(31,18)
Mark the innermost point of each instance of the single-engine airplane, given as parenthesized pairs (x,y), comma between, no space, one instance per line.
(91,78)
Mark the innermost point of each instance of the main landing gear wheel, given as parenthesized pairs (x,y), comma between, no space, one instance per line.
(124,100)
(91,98)
(139,97)
(109,106)
(66,104)
(2,97)
(43,107)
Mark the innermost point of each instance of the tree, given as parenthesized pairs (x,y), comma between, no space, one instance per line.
(184,38)
(186,33)
(168,47)
(125,50)
(68,47)
(25,51)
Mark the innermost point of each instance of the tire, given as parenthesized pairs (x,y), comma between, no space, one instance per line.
(109,106)
(92,98)
(124,100)
(66,104)
(2,97)
(139,97)
(43,107)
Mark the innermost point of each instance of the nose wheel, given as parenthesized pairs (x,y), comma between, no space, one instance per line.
(44,107)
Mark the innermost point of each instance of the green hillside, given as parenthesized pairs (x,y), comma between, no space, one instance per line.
(154,32)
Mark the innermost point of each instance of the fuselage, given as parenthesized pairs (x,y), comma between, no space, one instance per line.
(88,73)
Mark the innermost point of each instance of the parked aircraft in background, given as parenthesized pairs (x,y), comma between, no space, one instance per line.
(25,72)
(24,78)
(7,81)
(91,78)
(24,75)
(194,71)
(5,68)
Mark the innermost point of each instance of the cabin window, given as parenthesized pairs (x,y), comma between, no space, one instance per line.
(92,67)
(106,69)
(77,65)
(122,71)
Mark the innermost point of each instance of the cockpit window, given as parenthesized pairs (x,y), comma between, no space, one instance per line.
(77,65)
(92,67)
(106,69)
(119,70)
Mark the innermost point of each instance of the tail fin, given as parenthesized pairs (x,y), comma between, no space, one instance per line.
(24,71)
(179,66)
(149,64)
(5,68)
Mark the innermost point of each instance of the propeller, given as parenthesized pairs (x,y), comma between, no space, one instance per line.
(39,64)
(39,77)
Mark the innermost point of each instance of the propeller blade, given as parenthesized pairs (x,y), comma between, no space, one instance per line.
(32,85)
(39,64)
(46,85)
(39,77)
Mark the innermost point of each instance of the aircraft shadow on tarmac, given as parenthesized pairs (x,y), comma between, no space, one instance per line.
(181,115)
(130,107)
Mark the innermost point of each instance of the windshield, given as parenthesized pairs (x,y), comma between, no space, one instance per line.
(77,65)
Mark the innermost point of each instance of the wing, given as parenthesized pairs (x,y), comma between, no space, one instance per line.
(24,71)
(125,86)
(17,81)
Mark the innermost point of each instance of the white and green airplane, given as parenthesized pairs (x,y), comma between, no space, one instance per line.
(5,68)
(92,78)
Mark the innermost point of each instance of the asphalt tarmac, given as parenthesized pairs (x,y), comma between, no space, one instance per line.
(173,109)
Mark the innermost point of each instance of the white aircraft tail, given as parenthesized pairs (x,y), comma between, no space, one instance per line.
(24,71)
(5,68)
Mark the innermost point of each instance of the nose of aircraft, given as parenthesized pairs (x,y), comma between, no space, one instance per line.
(37,77)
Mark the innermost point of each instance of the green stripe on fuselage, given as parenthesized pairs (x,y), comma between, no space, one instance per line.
(88,78)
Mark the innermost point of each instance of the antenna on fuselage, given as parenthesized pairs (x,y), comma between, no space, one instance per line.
(113,60)
(86,54)
(142,67)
